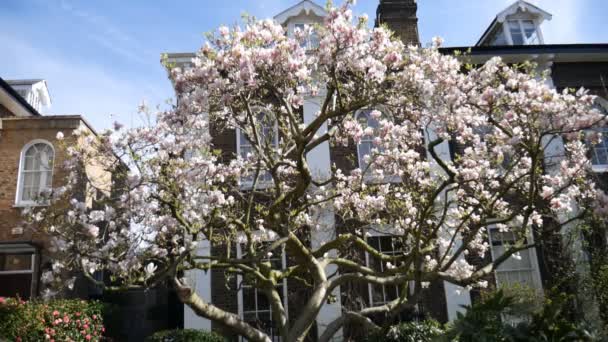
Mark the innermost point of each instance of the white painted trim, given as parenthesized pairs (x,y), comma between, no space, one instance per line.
(201,281)
(18,201)
(524,7)
(305,6)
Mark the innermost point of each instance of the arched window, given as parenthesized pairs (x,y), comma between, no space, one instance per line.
(35,171)
(365,146)
(267,132)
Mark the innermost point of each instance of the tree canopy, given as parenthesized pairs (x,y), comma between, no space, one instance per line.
(175,190)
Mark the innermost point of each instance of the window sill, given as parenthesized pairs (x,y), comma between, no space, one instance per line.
(248,186)
(599,168)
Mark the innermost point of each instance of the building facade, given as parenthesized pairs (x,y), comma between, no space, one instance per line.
(31,159)
(516,36)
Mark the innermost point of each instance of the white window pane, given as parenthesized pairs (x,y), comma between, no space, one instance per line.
(599,155)
(28,163)
(365,149)
(530,31)
(37,171)
(516,34)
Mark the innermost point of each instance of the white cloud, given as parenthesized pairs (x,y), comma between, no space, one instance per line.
(108,35)
(83,88)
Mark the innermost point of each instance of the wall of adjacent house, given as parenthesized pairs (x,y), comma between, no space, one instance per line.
(5,112)
(14,135)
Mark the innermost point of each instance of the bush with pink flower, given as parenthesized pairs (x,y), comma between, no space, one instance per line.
(56,320)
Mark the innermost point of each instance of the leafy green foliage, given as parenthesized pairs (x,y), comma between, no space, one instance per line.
(185,335)
(424,331)
(56,320)
(481,321)
(493,320)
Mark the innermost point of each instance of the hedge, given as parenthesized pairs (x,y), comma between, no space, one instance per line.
(55,320)
(185,335)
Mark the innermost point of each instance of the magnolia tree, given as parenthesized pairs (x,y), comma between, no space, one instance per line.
(173,190)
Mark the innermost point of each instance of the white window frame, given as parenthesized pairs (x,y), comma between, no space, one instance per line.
(507,30)
(261,184)
(368,176)
(370,287)
(385,115)
(30,271)
(20,176)
(295,25)
(535,270)
(239,281)
(599,168)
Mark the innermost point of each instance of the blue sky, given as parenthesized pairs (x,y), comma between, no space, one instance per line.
(101,58)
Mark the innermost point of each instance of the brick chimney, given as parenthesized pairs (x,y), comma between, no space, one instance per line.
(400,16)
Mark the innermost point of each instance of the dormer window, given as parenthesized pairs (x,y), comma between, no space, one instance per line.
(35,92)
(523,32)
(313,40)
(518,24)
(299,16)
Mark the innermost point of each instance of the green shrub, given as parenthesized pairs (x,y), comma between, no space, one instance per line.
(493,320)
(185,335)
(56,320)
(424,331)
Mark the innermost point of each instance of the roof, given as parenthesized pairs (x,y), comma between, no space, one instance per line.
(556,52)
(11,92)
(24,82)
(518,5)
(56,117)
(306,6)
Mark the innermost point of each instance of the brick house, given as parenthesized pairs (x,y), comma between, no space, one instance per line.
(30,162)
(515,34)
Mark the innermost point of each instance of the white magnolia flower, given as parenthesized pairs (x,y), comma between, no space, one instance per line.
(150,269)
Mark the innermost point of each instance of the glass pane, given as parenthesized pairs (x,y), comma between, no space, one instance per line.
(248,299)
(601,157)
(263,303)
(375,264)
(516,34)
(530,31)
(377,294)
(15,262)
(365,149)
(386,244)
(314,40)
(498,37)
(48,179)
(391,292)
(250,317)
(28,163)
(374,242)
(264,317)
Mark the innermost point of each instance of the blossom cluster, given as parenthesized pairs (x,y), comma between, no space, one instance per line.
(171,189)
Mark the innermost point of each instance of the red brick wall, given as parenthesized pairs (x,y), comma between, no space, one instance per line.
(400,16)
(14,135)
